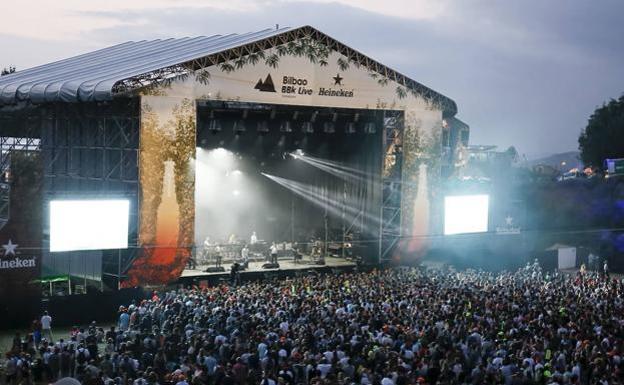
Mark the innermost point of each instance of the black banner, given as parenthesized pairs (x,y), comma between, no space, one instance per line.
(20,241)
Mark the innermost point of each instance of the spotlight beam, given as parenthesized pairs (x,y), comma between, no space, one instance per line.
(331,170)
(312,191)
(339,170)
(336,165)
(299,192)
(311,194)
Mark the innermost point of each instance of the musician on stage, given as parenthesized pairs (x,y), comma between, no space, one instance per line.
(245,256)
(218,255)
(273,251)
(254,238)
(296,254)
(205,253)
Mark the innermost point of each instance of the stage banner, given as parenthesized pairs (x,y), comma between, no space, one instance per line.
(422,154)
(167,189)
(20,240)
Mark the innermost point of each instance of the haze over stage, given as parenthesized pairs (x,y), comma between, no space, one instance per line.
(290,174)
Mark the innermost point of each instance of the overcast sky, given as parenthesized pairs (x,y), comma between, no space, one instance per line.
(526,72)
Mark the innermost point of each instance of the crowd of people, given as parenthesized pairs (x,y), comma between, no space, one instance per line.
(383,327)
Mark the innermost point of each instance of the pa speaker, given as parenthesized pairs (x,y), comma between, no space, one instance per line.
(269,265)
(215,269)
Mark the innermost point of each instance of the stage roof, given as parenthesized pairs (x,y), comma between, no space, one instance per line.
(125,67)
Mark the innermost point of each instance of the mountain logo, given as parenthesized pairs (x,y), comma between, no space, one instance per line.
(266,85)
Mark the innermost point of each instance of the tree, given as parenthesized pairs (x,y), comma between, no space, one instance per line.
(604,135)
(6,71)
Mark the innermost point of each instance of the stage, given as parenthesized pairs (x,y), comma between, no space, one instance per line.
(255,271)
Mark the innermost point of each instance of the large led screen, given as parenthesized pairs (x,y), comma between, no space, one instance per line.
(465,214)
(88,224)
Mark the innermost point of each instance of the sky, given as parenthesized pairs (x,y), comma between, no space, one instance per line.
(526,73)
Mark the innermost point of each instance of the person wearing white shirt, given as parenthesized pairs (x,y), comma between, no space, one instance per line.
(245,256)
(46,326)
(273,252)
(324,368)
(262,350)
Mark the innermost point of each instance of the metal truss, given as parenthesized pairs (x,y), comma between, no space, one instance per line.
(9,144)
(91,152)
(354,57)
(390,228)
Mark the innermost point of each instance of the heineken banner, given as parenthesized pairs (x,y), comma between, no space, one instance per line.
(20,238)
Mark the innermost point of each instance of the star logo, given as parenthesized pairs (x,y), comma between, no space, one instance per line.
(338,80)
(509,220)
(9,248)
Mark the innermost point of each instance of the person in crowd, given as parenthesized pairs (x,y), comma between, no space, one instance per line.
(46,326)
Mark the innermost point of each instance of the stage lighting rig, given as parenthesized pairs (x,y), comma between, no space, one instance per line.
(262,127)
(351,127)
(370,128)
(330,127)
(214,124)
(286,126)
(307,128)
(239,125)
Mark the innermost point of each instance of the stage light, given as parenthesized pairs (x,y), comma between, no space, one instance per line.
(298,153)
(214,124)
(466,214)
(263,127)
(328,127)
(236,193)
(239,127)
(307,128)
(370,128)
(286,126)
(351,127)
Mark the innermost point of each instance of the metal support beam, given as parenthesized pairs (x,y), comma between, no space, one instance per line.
(10,142)
(390,228)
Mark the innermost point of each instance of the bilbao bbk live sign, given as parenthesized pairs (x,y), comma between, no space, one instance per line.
(293,86)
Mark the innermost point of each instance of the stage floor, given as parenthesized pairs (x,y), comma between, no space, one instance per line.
(255,267)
